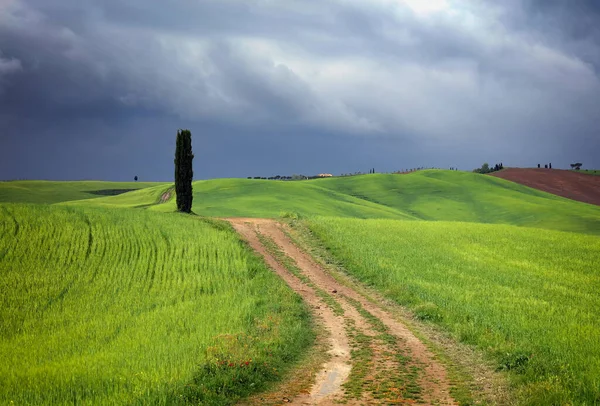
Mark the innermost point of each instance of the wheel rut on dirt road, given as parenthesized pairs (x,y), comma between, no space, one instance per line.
(373,357)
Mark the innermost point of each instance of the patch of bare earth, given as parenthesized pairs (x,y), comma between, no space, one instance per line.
(166,196)
(373,357)
(569,184)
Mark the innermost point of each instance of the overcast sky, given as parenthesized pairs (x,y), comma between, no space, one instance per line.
(96,89)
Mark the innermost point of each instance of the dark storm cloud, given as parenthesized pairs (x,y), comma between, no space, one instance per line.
(574,20)
(464,82)
(572,26)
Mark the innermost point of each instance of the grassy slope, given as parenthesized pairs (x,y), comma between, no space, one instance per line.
(442,195)
(427,195)
(526,296)
(263,198)
(135,199)
(41,191)
(589,172)
(128,306)
(462,196)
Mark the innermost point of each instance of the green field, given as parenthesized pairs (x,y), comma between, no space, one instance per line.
(48,192)
(104,299)
(589,171)
(424,195)
(127,306)
(143,198)
(528,297)
(268,199)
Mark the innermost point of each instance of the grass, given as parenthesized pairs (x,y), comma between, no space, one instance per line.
(362,355)
(127,306)
(424,195)
(589,171)
(395,378)
(268,199)
(461,362)
(461,196)
(101,302)
(524,296)
(142,198)
(432,195)
(49,192)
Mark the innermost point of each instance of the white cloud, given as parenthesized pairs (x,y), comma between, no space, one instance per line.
(429,6)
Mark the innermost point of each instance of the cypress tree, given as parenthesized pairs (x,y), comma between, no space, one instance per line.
(183,171)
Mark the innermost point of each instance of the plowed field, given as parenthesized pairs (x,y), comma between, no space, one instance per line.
(572,185)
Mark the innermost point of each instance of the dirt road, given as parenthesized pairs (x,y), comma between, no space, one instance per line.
(374,359)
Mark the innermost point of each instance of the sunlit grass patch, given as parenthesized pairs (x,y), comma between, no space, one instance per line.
(49,192)
(124,306)
(528,297)
(433,195)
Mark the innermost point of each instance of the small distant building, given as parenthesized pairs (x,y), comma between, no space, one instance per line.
(324,175)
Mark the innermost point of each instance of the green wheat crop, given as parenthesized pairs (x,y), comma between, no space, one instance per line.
(425,195)
(528,297)
(127,306)
(49,192)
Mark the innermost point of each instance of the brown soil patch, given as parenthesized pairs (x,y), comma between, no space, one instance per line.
(569,184)
(166,196)
(328,386)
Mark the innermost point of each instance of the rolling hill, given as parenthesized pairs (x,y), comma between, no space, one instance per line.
(426,195)
(141,198)
(525,296)
(116,306)
(433,195)
(106,270)
(49,192)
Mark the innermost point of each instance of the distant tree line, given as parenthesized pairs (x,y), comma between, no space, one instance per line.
(486,168)
(370,171)
(421,168)
(279,177)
